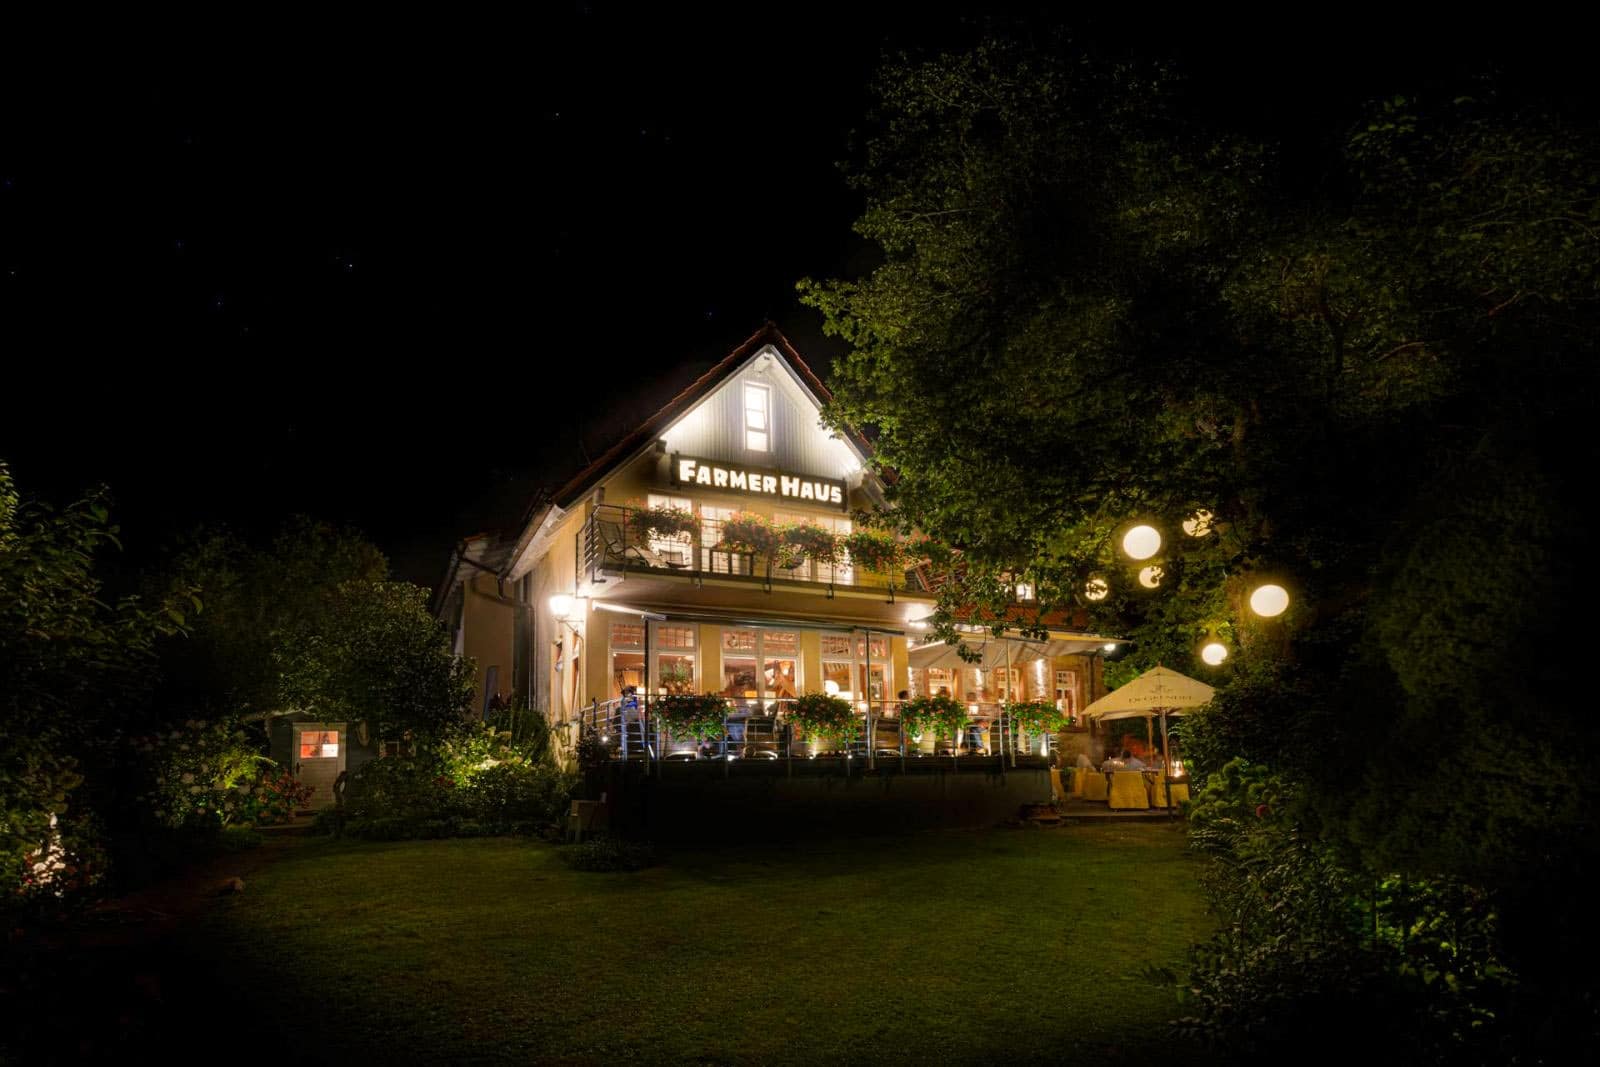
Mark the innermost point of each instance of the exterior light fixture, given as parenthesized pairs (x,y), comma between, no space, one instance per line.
(1095,589)
(1214,653)
(1269,601)
(1151,577)
(1198,524)
(1110,646)
(1141,542)
(561,606)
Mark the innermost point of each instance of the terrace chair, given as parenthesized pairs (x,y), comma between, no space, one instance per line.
(1093,784)
(617,548)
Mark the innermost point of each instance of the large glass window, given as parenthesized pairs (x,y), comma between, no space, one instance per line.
(780,658)
(627,657)
(739,664)
(1067,691)
(711,558)
(757,417)
(674,653)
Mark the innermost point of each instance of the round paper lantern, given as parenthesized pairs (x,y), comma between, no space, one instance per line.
(1150,577)
(1214,653)
(1198,524)
(1095,589)
(1141,542)
(1269,601)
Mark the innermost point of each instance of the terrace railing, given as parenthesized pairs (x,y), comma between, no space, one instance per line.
(617,539)
(757,729)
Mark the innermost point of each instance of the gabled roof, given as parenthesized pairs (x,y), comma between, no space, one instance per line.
(507,550)
(703,386)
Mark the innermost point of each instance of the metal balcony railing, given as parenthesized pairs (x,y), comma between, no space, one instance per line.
(757,729)
(619,539)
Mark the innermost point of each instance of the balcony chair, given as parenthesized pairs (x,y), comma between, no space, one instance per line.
(618,549)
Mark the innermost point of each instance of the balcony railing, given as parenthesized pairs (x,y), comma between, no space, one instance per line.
(627,729)
(617,539)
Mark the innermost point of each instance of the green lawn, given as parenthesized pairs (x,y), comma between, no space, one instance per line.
(1019,945)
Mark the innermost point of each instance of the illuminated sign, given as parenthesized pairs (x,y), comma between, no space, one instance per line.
(802,487)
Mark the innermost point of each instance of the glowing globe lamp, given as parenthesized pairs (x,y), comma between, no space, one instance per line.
(1150,577)
(1198,524)
(1269,601)
(1095,589)
(1141,542)
(1214,653)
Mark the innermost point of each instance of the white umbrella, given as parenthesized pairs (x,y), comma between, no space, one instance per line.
(1157,690)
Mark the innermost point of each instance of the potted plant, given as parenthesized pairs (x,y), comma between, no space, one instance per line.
(941,716)
(807,540)
(820,717)
(746,531)
(872,550)
(664,521)
(701,716)
(1036,717)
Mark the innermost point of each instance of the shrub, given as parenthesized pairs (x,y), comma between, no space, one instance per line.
(820,717)
(201,774)
(606,854)
(663,521)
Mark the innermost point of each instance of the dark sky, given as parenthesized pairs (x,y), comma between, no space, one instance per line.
(386,282)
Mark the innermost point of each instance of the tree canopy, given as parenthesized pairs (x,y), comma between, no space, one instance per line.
(1093,310)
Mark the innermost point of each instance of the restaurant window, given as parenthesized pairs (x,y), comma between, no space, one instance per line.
(1006,685)
(940,682)
(673,548)
(627,657)
(739,664)
(757,417)
(780,660)
(838,666)
(674,655)
(1067,691)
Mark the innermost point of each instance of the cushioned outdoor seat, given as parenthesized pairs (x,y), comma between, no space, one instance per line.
(1093,784)
(1128,791)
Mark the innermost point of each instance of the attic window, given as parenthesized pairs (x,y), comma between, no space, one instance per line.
(757,405)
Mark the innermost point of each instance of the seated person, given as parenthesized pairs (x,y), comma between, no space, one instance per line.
(1111,763)
(1131,762)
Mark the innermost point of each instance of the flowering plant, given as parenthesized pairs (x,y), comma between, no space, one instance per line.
(941,715)
(664,521)
(820,717)
(691,715)
(872,550)
(209,774)
(811,541)
(749,532)
(1036,717)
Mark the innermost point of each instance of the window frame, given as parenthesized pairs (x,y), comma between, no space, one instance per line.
(762,425)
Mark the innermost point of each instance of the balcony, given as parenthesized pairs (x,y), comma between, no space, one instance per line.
(617,541)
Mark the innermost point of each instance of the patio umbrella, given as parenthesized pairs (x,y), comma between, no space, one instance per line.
(1157,690)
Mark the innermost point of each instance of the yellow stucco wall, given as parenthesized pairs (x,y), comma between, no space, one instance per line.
(489,622)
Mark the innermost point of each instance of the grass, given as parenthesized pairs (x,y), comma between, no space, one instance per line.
(1017,945)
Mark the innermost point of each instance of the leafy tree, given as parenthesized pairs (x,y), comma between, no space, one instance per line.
(70,664)
(313,623)
(1092,310)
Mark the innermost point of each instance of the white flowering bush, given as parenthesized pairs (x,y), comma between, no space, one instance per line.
(209,775)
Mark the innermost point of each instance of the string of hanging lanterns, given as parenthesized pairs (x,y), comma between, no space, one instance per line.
(1143,541)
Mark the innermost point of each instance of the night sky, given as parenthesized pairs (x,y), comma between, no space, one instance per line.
(401,283)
